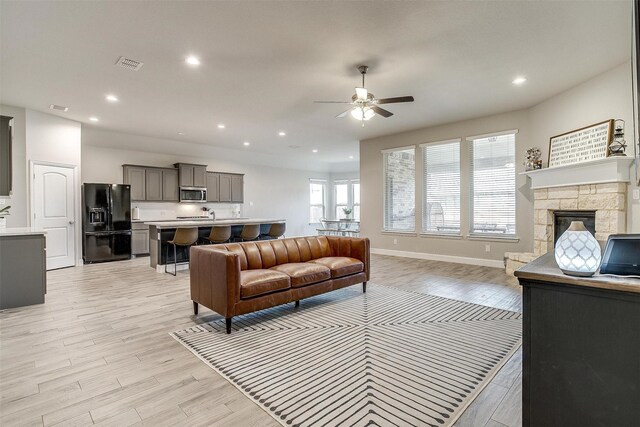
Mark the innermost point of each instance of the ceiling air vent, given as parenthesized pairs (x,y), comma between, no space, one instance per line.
(129,64)
(58,107)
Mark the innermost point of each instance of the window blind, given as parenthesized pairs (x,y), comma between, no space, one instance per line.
(341,194)
(493,185)
(441,187)
(356,200)
(399,189)
(316,201)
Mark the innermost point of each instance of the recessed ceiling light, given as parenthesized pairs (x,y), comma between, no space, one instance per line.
(111,98)
(246,143)
(314,150)
(93,119)
(221,126)
(180,133)
(519,80)
(192,60)
(281,133)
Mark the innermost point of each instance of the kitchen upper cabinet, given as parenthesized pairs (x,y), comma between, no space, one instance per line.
(213,187)
(199,176)
(170,185)
(237,188)
(192,175)
(136,177)
(225,187)
(154,184)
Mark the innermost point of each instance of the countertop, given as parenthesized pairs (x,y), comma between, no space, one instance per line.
(21,231)
(545,269)
(146,221)
(208,223)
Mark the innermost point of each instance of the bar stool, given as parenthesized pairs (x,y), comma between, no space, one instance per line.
(277,230)
(220,234)
(250,232)
(185,237)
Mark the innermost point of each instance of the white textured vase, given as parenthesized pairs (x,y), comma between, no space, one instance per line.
(577,251)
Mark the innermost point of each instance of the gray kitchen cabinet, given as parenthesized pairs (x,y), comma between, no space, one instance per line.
(23,278)
(213,187)
(139,239)
(237,188)
(192,175)
(199,176)
(170,185)
(153,184)
(136,177)
(225,187)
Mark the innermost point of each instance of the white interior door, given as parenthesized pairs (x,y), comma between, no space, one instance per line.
(53,210)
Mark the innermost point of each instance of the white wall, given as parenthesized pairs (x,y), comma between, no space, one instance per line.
(18,199)
(603,97)
(269,192)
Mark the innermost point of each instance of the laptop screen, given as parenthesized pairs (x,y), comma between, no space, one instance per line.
(622,255)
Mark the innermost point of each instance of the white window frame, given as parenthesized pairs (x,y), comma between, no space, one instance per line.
(353,199)
(384,190)
(350,195)
(488,235)
(323,182)
(424,188)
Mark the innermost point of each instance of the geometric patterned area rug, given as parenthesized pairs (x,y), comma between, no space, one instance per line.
(385,358)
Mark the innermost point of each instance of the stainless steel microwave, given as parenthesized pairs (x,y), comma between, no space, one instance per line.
(193,195)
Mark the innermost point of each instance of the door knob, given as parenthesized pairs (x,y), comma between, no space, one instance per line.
(71,222)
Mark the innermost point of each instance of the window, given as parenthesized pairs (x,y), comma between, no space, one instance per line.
(317,190)
(493,184)
(356,200)
(441,187)
(341,194)
(399,189)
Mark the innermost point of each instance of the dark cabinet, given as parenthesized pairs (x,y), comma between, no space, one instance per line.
(225,187)
(154,184)
(170,185)
(213,187)
(23,278)
(139,239)
(136,177)
(192,175)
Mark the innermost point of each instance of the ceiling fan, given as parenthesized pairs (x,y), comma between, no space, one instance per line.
(364,104)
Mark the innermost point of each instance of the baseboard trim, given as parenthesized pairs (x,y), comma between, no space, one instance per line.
(438,257)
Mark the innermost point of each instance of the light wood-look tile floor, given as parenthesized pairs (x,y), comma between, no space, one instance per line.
(98,351)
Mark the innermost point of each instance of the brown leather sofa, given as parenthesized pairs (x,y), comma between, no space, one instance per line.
(239,278)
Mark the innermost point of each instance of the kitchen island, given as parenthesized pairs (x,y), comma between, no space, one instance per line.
(160,232)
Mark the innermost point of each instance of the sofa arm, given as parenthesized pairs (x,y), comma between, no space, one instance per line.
(215,279)
(354,247)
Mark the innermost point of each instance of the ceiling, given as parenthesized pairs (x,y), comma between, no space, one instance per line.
(263,63)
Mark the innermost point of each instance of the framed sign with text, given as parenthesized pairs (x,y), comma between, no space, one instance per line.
(581,145)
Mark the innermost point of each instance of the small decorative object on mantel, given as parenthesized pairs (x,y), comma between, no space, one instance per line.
(4,212)
(618,146)
(577,251)
(347,212)
(581,145)
(532,160)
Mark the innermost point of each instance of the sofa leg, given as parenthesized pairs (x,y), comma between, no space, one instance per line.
(195,308)
(364,287)
(297,304)
(228,321)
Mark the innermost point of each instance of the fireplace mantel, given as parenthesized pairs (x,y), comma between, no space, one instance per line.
(611,169)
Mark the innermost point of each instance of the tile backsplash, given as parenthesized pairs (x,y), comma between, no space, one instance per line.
(150,211)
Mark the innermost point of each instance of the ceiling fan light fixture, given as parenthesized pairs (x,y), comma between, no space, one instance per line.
(362,113)
(362,93)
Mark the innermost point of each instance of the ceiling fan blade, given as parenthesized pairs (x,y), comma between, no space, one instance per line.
(381,111)
(343,114)
(395,100)
(332,102)
(362,93)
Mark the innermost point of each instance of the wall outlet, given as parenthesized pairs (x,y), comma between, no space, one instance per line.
(250,203)
(487,248)
(395,241)
(636,194)
(3,201)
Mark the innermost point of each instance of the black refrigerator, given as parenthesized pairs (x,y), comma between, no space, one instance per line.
(106,222)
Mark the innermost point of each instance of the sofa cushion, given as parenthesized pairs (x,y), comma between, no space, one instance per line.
(340,265)
(259,282)
(304,273)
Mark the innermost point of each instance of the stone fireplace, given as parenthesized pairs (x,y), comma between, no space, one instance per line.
(599,186)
